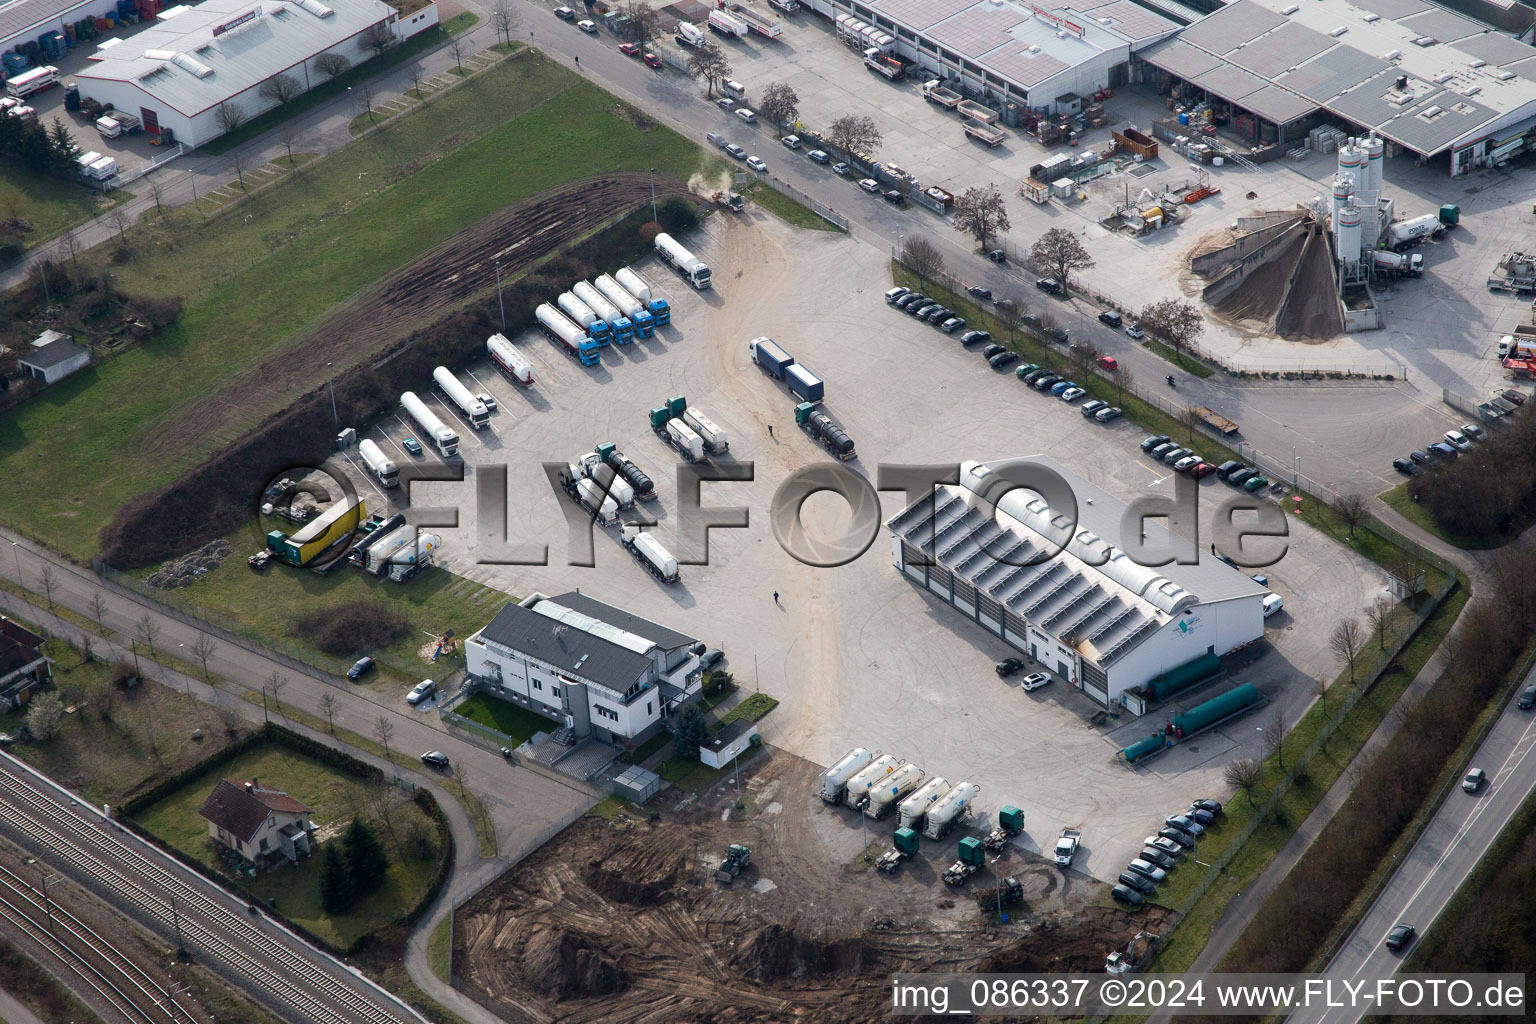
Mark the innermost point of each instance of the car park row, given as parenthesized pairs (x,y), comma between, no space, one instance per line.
(1161,852)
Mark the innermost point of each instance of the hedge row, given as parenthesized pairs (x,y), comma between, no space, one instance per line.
(429,806)
(218,496)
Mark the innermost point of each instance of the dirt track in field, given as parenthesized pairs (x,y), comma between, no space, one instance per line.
(436,283)
(625,921)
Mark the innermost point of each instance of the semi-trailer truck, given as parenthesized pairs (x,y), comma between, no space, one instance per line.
(631,307)
(589,496)
(507,356)
(33,81)
(1408,233)
(436,431)
(378,463)
(605,476)
(336,523)
(693,269)
(947,811)
(825,430)
(636,477)
(727,24)
(884,796)
(584,317)
(767,354)
(804,383)
(836,777)
(378,554)
(562,332)
(650,553)
(763,25)
(682,437)
(715,440)
(910,812)
(623,326)
(633,283)
(470,407)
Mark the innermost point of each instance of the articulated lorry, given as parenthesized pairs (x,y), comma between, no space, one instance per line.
(379,464)
(410,559)
(633,283)
(584,317)
(375,558)
(590,496)
(566,334)
(835,779)
(470,407)
(623,326)
(770,356)
(947,811)
(911,811)
(1407,233)
(336,523)
(644,323)
(885,794)
(856,789)
(715,440)
(693,269)
(670,427)
(650,553)
(633,475)
(511,360)
(607,478)
(439,433)
(826,431)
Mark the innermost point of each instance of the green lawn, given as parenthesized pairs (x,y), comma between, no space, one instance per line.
(440,950)
(1187,363)
(49,204)
(253,277)
(752,709)
(690,776)
(333,796)
(787,210)
(518,724)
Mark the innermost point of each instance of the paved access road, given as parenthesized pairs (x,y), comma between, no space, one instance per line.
(1441,860)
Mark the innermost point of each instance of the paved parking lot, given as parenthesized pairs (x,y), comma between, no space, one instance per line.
(857,655)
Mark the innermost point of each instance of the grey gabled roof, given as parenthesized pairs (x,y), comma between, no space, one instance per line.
(663,636)
(51,354)
(573,650)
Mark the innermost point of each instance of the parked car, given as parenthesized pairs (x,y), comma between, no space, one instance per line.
(1238,475)
(1072,394)
(1405,466)
(1456,439)
(590,27)
(410,444)
(487,401)
(985,294)
(1105,415)
(420,692)
(1178,835)
(1155,856)
(1148,870)
(790,142)
(1418,456)
(1442,449)
(565,14)
(997,256)
(1034,375)
(1109,362)
(1062,385)
(894,294)
(1474,431)
(1162,449)
(435,759)
(1089,408)
(972,337)
(869,185)
(1255,483)
(1207,804)
(1474,780)
(909,298)
(360,668)
(939,315)
(736,152)
(1140,883)
(756,163)
(746,115)
(1008,666)
(1002,359)
(952,325)
(651,61)
(629,49)
(726,104)
(710,658)
(1132,331)
(1049,285)
(1164,845)
(1201,816)
(992,350)
(1152,442)
(1203,470)
(1187,463)
(894,196)
(1174,454)
(1527,698)
(1047,382)
(840,168)
(1125,894)
(1035,680)
(1227,468)
(1111,318)
(1400,937)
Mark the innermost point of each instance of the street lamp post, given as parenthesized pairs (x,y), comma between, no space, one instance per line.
(653,196)
(16,547)
(499,301)
(331,381)
(1295,471)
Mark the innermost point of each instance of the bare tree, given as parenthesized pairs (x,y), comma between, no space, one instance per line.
(460,49)
(710,63)
(1009,316)
(1379,617)
(378,38)
(87,648)
(1174,320)
(381,801)
(118,218)
(1244,774)
(281,88)
(1352,510)
(239,162)
(1061,252)
(365,99)
(332,65)
(157,190)
(1081,359)
(923,258)
(69,242)
(287,134)
(50,583)
(1125,381)
(1320,691)
(229,115)
(1274,737)
(328,709)
(204,649)
(1190,418)
(503,17)
(416,73)
(855,135)
(99,609)
(275,684)
(383,728)
(641,22)
(980,211)
(1346,642)
(779,104)
(149,632)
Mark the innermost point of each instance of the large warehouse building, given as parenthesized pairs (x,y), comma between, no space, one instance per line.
(1089,613)
(1428,80)
(598,670)
(1048,56)
(180,72)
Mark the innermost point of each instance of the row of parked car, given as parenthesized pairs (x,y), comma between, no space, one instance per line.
(1449,447)
(1161,852)
(1043,380)
(921,306)
(1184,460)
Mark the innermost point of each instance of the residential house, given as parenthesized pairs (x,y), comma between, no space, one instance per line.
(257,822)
(24,668)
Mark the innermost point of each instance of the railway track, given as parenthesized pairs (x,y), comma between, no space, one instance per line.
(277,970)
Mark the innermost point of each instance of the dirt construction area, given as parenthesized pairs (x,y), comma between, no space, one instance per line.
(624,920)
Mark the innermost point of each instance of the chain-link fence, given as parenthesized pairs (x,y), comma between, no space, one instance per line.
(826,213)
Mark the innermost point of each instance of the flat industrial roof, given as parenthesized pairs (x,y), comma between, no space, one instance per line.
(26,17)
(221,48)
(1027,43)
(1422,76)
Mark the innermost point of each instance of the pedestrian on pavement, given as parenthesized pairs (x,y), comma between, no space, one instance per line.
(578,62)
(770,430)
(775,597)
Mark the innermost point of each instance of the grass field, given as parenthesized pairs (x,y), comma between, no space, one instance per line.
(787,210)
(256,274)
(333,797)
(517,723)
(50,205)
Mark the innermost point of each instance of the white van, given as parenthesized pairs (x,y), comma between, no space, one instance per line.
(1272,604)
(735,90)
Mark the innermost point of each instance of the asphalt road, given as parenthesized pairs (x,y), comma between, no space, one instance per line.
(1441,860)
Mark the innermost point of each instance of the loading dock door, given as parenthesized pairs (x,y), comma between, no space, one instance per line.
(150,120)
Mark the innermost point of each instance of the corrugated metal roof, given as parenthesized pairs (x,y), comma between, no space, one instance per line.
(1224,30)
(1279,51)
(663,636)
(31,18)
(1177,57)
(1445,26)
(283,36)
(919,14)
(1494,48)
(572,650)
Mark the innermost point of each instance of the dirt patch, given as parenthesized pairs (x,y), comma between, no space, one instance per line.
(1312,311)
(625,920)
(1262,292)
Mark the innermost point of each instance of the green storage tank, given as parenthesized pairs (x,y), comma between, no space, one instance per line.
(971,851)
(676,405)
(1144,748)
(659,417)
(1011,818)
(906,841)
(1212,711)
(1177,680)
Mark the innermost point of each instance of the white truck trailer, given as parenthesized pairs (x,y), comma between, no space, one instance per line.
(379,464)
(693,269)
(651,554)
(511,359)
(436,431)
(470,407)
